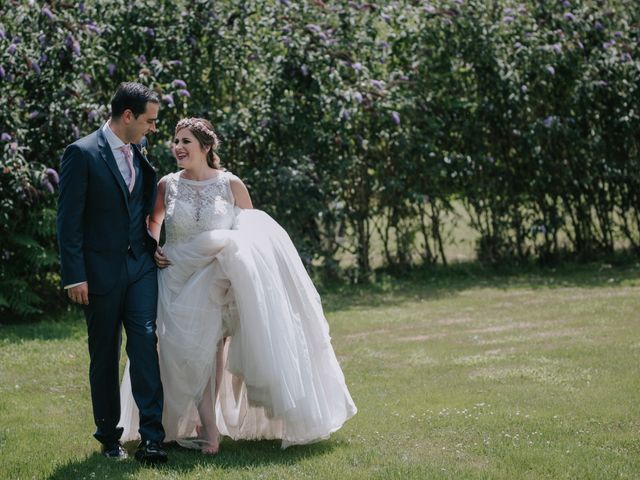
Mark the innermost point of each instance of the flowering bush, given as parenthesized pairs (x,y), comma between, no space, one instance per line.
(346,119)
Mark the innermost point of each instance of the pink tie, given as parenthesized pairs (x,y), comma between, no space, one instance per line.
(128,156)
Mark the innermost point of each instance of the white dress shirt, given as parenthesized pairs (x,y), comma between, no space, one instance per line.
(115,143)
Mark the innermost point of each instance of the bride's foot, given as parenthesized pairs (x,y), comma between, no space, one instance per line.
(211,442)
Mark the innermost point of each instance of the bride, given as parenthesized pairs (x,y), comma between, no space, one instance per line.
(244,346)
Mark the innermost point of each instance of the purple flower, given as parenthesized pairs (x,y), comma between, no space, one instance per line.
(33,114)
(609,44)
(551,70)
(2,72)
(344,114)
(549,121)
(111,68)
(357,96)
(92,27)
(35,67)
(566,4)
(175,63)
(12,49)
(599,26)
(47,185)
(517,45)
(76,48)
(357,66)
(304,70)
(625,57)
(92,115)
(5,137)
(429,8)
(524,89)
(42,39)
(168,98)
(86,78)
(150,32)
(46,12)
(618,34)
(570,16)
(285,2)
(13,146)
(68,42)
(184,93)
(379,84)
(507,19)
(557,47)
(81,7)
(177,83)
(155,62)
(395,116)
(386,17)
(141,60)
(313,28)
(52,175)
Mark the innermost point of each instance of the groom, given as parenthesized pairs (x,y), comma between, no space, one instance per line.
(107,189)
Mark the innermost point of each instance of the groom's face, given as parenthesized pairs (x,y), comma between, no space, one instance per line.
(143,124)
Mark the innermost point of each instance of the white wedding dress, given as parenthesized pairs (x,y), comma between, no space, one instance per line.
(236,273)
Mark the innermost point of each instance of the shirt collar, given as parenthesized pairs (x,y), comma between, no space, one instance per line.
(114,141)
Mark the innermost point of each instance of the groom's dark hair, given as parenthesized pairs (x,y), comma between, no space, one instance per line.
(132,96)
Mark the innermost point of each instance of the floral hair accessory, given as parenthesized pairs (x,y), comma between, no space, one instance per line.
(199,126)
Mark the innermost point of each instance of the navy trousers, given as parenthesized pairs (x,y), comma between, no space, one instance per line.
(132,303)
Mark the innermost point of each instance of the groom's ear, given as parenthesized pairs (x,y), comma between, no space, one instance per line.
(127,116)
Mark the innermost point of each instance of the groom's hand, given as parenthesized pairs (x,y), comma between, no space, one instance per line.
(161,260)
(79,294)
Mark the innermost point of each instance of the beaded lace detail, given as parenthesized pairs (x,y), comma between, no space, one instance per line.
(196,206)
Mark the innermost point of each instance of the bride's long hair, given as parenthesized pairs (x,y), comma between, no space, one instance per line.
(206,136)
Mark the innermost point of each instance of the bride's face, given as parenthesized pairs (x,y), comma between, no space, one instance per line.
(187,150)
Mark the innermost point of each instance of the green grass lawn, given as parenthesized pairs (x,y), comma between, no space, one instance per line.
(457,373)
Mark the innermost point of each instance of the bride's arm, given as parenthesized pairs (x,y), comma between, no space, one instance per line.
(240,193)
(155,223)
(157,216)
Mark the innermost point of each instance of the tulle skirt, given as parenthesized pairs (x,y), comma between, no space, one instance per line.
(281,379)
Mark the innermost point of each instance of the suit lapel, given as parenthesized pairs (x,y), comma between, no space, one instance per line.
(107,156)
(148,177)
(144,163)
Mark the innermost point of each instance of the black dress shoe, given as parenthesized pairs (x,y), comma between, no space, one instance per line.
(150,453)
(114,450)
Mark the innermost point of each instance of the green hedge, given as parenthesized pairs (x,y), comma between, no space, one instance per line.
(346,119)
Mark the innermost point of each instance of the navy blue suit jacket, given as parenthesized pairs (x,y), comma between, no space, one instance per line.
(93,213)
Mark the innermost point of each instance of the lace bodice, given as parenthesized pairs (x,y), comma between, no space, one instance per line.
(196,206)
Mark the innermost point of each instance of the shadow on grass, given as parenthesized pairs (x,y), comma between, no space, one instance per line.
(436,281)
(391,288)
(54,327)
(240,455)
